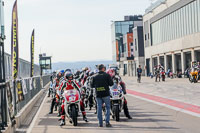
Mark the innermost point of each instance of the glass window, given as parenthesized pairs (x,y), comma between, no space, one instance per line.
(163,29)
(170,27)
(181,22)
(189,19)
(195,16)
(198,14)
(167,26)
(186,20)
(174,25)
(178,24)
(192,18)
(135,45)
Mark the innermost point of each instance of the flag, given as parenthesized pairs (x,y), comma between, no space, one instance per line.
(32,52)
(14,42)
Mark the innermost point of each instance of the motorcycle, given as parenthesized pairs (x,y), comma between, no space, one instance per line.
(172,75)
(163,75)
(72,105)
(117,101)
(193,78)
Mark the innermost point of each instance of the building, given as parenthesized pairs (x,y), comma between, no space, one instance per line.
(122,43)
(172,34)
(138,49)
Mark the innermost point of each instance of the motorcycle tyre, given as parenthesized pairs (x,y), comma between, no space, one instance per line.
(74,116)
(116,112)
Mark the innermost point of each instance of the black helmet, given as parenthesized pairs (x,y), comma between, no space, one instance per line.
(68,70)
(91,73)
(69,75)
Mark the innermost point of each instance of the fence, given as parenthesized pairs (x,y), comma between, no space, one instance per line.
(24,67)
(26,89)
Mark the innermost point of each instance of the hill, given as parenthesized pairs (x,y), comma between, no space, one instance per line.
(79,65)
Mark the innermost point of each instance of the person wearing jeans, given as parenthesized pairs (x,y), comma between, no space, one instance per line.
(101,82)
(100,102)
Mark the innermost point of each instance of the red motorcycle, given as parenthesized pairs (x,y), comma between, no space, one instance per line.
(72,105)
(162,75)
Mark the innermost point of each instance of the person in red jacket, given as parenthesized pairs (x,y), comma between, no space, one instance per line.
(69,85)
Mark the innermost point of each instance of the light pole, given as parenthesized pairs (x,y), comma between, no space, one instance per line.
(3,103)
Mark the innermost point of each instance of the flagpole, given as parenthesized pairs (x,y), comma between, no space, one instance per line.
(14,50)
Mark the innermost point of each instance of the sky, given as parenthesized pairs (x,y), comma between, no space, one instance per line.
(69,30)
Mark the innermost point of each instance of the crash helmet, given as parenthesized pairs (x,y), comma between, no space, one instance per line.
(96,71)
(68,70)
(111,72)
(91,73)
(62,72)
(77,72)
(69,75)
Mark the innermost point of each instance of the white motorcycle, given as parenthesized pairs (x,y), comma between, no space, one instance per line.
(117,101)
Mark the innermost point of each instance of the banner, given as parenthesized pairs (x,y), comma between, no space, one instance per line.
(20,91)
(31,83)
(10,100)
(32,52)
(25,91)
(14,42)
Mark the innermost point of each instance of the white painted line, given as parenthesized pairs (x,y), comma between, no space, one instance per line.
(36,116)
(168,106)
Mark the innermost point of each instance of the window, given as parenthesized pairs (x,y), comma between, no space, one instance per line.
(135,45)
(131,44)
(198,15)
(145,37)
(184,21)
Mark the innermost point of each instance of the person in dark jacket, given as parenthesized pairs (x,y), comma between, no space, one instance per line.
(139,73)
(101,82)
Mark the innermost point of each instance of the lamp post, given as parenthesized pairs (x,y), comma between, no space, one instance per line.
(3,103)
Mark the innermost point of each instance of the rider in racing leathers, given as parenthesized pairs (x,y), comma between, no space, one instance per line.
(112,73)
(71,84)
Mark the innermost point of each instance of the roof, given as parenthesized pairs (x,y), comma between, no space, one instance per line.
(154,5)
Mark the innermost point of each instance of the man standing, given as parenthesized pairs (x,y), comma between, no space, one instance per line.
(139,73)
(101,82)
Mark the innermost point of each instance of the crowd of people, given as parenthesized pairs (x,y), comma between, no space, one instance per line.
(94,89)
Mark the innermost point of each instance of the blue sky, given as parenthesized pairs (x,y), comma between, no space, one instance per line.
(69,30)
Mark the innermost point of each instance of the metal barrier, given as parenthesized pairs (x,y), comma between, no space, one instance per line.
(24,67)
(45,79)
(29,86)
(33,89)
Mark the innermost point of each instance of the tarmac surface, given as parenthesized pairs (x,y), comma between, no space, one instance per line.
(148,115)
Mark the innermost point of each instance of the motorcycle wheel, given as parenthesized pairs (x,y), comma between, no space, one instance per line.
(74,116)
(195,80)
(190,80)
(116,111)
